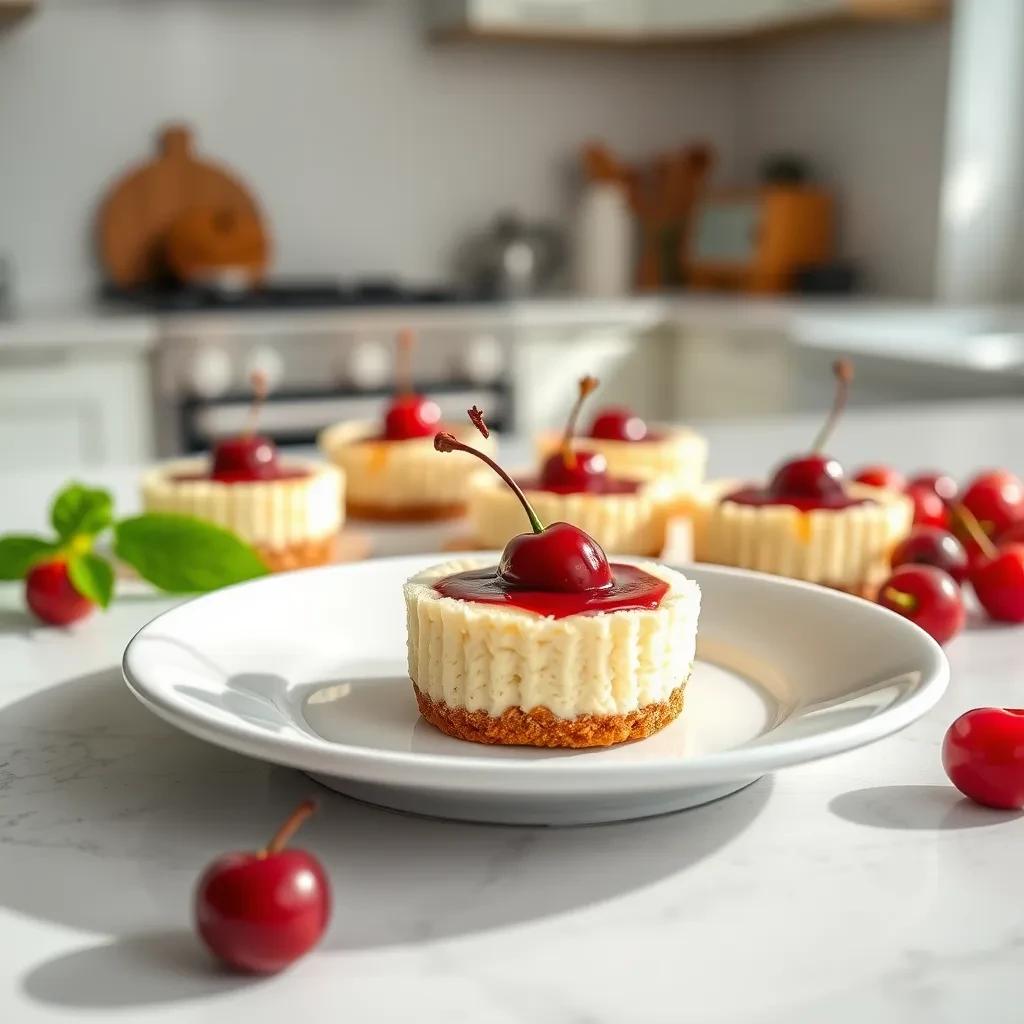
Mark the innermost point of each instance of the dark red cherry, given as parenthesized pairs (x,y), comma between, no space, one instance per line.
(410,416)
(618,423)
(561,557)
(931,545)
(816,475)
(810,476)
(881,476)
(582,471)
(557,558)
(245,457)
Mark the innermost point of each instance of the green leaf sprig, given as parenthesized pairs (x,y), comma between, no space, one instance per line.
(175,553)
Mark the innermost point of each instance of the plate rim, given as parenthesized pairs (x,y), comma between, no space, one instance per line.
(478,771)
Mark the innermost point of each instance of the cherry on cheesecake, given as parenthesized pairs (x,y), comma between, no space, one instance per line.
(881,476)
(554,570)
(810,481)
(619,423)
(247,456)
(409,415)
(570,470)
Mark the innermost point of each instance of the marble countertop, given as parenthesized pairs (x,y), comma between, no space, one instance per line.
(858,888)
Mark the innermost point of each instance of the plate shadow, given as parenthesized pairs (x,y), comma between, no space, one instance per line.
(96,785)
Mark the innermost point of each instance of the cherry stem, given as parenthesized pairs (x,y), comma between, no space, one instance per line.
(900,597)
(445,442)
(843,370)
(403,368)
(260,386)
(588,385)
(291,825)
(974,528)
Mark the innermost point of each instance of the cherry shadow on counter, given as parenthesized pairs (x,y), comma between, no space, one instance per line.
(915,808)
(110,815)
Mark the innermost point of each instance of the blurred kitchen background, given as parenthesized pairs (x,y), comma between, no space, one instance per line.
(701,201)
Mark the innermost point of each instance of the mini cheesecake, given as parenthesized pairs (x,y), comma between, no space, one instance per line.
(399,479)
(291,516)
(625,517)
(845,546)
(674,453)
(550,670)
(808,522)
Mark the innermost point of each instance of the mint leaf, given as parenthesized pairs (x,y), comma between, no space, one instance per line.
(92,577)
(80,509)
(184,555)
(18,552)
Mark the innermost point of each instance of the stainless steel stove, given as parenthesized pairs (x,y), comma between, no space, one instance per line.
(326,351)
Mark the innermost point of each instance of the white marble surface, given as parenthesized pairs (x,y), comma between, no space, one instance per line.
(859,888)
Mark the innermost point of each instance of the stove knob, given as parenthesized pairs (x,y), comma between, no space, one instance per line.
(369,364)
(482,359)
(209,372)
(269,362)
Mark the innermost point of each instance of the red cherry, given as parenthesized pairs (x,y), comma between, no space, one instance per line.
(584,471)
(944,486)
(998,581)
(568,469)
(983,754)
(881,476)
(931,545)
(928,597)
(996,500)
(244,458)
(1011,535)
(811,476)
(816,476)
(617,423)
(561,557)
(51,595)
(259,911)
(929,508)
(410,416)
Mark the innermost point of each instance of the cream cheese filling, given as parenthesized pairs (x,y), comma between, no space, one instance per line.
(485,657)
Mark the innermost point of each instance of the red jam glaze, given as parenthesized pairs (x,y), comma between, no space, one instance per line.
(603,485)
(761,496)
(632,590)
(279,472)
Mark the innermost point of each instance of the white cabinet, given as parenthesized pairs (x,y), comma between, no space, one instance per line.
(74,406)
(641,21)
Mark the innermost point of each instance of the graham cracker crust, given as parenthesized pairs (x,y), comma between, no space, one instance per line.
(304,555)
(405,513)
(541,728)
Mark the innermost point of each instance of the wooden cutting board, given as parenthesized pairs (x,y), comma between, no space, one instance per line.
(140,207)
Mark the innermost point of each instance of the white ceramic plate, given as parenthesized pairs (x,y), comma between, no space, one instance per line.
(308,669)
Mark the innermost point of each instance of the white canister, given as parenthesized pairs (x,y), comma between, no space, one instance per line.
(603,242)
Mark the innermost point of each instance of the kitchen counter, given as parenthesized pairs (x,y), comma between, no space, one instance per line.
(883,322)
(858,888)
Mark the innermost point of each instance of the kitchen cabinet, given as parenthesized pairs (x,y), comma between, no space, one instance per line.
(656,21)
(74,406)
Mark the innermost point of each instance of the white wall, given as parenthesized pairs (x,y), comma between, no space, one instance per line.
(867,105)
(371,149)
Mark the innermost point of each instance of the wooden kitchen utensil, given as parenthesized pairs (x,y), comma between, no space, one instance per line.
(142,206)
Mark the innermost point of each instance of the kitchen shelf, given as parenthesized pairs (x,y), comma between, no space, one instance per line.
(471,20)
